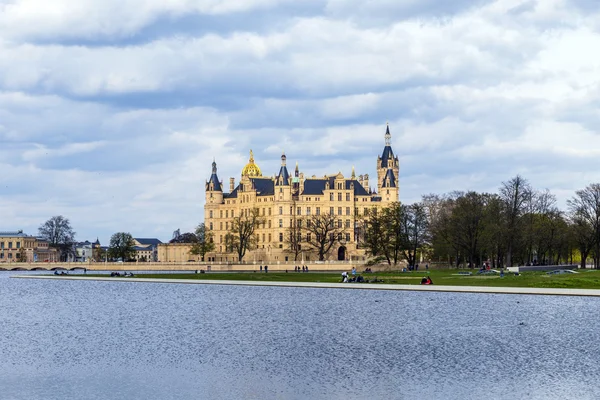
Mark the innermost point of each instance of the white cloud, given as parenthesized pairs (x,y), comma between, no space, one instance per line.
(120,135)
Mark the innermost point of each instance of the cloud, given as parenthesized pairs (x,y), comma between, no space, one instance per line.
(112,112)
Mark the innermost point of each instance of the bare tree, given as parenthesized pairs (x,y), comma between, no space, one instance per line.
(322,233)
(515,194)
(585,208)
(242,238)
(414,230)
(59,234)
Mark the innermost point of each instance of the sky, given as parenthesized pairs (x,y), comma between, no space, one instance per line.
(111,112)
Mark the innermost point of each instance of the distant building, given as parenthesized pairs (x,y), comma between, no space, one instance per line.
(146,249)
(84,251)
(17,246)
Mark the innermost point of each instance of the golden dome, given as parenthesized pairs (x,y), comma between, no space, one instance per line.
(251,169)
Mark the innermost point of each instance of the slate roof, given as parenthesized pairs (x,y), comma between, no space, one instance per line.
(317,186)
(283,173)
(214,179)
(387,155)
(264,187)
(148,241)
(13,234)
(140,248)
(389,177)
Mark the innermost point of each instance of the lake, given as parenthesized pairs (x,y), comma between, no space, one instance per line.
(121,340)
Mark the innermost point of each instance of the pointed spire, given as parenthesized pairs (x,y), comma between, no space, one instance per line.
(353,173)
(214,167)
(283,159)
(388,135)
(296,171)
(251,156)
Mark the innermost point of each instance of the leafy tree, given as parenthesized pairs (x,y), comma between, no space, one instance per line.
(187,237)
(204,241)
(242,238)
(60,235)
(99,254)
(22,255)
(122,246)
(322,233)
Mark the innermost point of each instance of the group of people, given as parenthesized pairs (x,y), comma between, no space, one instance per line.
(266,268)
(304,268)
(123,274)
(353,277)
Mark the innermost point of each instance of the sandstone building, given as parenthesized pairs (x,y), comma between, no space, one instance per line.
(20,247)
(284,198)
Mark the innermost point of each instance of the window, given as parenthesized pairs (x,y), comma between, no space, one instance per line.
(263,236)
(339,223)
(307,210)
(308,237)
(388,191)
(280,210)
(269,238)
(221,214)
(300,224)
(340,236)
(226,226)
(280,237)
(10,245)
(269,223)
(299,211)
(1,245)
(281,223)
(18,245)
(220,225)
(347,196)
(347,210)
(226,213)
(331,196)
(339,210)
(210,214)
(318,210)
(269,212)
(347,237)
(339,197)
(330,210)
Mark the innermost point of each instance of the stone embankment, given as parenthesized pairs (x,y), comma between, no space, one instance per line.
(193,266)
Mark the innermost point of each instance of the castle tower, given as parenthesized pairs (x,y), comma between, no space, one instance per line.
(283,178)
(388,170)
(214,188)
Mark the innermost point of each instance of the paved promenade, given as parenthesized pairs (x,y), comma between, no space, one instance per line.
(361,286)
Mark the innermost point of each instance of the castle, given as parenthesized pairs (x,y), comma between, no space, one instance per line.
(284,199)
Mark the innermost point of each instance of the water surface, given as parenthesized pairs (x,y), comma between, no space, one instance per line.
(109,340)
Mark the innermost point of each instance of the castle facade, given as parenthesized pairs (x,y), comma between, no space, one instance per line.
(286,199)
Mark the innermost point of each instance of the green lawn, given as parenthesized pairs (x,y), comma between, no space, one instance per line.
(586,279)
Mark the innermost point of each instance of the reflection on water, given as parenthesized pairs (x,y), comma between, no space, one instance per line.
(109,340)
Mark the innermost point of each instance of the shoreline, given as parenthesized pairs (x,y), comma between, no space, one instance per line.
(327,285)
